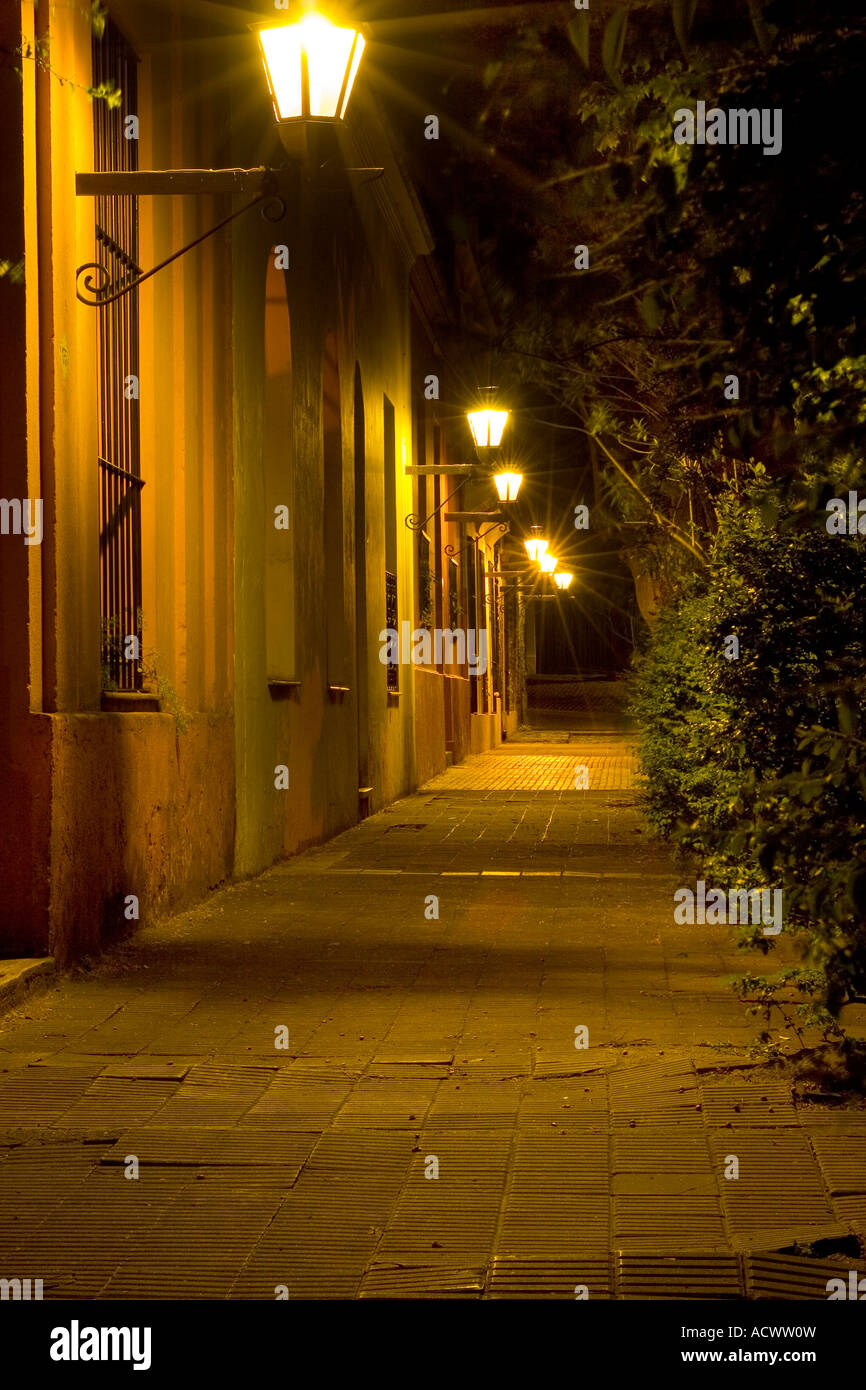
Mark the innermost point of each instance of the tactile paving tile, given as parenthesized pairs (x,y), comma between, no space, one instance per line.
(557,1201)
(469,1105)
(651,1185)
(77,1251)
(127,1030)
(398,1071)
(362,1151)
(36,1179)
(453,1218)
(647,1093)
(842,1156)
(491,1068)
(429,1053)
(112,1103)
(214,1073)
(749,1102)
(292,1102)
(150,1283)
(683,1223)
(393,1104)
(779,1184)
(656,1074)
(564,1066)
(306,1069)
(324,1235)
(852,1210)
(145,1069)
(305,1269)
(202,1235)
(793,1276)
(208,1105)
(674,1117)
(73,1064)
(38,1096)
(515,1278)
(572,1103)
(646,1149)
(423,1281)
(191,1147)
(651,1276)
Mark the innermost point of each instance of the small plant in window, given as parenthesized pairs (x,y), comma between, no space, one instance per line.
(426,605)
(122,649)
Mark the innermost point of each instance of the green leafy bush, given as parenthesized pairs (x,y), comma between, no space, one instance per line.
(755,763)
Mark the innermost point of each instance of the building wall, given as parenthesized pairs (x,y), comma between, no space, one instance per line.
(259,387)
(25,759)
(442,693)
(161,806)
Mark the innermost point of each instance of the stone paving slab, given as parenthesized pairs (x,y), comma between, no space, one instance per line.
(525,771)
(412,1038)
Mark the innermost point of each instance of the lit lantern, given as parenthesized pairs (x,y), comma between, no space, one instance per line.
(487,427)
(548,563)
(563,579)
(535,544)
(508,485)
(311,66)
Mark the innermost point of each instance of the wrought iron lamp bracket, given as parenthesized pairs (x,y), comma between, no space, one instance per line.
(414,522)
(501,526)
(97,294)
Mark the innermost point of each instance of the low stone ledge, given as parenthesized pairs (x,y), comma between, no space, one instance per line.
(18,976)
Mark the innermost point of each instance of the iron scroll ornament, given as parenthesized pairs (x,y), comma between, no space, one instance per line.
(273,208)
(501,526)
(452,551)
(417,523)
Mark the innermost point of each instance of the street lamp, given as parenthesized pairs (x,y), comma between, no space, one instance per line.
(562,579)
(311,66)
(487,427)
(535,544)
(508,485)
(487,423)
(548,563)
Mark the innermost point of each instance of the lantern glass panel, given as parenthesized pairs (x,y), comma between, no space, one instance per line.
(281,49)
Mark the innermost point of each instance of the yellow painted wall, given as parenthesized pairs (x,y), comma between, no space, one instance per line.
(164,806)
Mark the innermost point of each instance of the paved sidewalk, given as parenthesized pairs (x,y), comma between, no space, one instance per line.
(418,1041)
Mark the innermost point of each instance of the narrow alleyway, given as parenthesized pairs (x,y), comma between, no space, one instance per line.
(417,1040)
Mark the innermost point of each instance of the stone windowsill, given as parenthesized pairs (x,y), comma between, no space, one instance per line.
(129,702)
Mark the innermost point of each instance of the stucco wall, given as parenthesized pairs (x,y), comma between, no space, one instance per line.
(345,280)
(429,724)
(104,805)
(484,732)
(137,808)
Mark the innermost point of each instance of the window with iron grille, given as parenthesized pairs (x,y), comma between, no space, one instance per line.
(119,462)
(391,625)
(390,460)
(495,611)
(425,582)
(472,621)
(453,593)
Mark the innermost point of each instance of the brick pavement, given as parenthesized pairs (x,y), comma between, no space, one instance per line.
(414,1038)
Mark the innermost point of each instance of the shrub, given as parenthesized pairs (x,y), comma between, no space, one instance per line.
(753,763)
